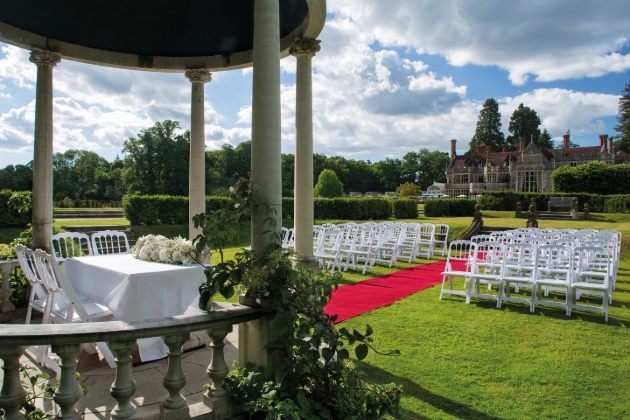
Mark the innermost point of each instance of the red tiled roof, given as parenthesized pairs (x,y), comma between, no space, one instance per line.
(590,150)
(496,159)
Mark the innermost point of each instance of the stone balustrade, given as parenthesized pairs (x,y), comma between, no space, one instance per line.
(66,340)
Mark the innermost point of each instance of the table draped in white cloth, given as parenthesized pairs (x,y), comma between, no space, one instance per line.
(135,289)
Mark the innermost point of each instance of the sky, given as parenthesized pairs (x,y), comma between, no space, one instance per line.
(393,76)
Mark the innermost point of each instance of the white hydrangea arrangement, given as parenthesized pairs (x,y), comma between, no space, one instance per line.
(160,249)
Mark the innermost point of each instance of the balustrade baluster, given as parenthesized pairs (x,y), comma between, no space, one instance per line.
(69,391)
(124,385)
(12,394)
(216,397)
(174,407)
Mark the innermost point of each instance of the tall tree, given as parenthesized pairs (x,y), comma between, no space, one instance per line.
(545,140)
(432,167)
(523,123)
(388,172)
(488,130)
(623,138)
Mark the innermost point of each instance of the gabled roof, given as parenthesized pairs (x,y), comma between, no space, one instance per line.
(576,151)
(496,159)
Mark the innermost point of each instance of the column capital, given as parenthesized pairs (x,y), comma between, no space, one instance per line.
(45,57)
(198,75)
(305,46)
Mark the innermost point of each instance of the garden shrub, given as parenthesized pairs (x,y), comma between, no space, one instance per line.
(328,185)
(404,209)
(352,209)
(452,207)
(13,216)
(164,209)
(288,207)
(409,189)
(593,177)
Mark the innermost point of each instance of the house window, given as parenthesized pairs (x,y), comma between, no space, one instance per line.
(482,163)
(530,181)
(459,178)
(573,164)
(457,193)
(468,162)
(505,178)
(491,178)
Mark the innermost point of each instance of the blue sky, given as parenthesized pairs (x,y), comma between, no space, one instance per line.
(392,76)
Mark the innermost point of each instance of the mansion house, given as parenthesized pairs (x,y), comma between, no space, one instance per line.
(527,169)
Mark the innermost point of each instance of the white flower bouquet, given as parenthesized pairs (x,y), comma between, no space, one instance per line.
(160,249)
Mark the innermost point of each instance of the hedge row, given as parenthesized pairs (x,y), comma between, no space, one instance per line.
(9,217)
(404,209)
(453,207)
(86,204)
(506,200)
(593,177)
(164,209)
(356,208)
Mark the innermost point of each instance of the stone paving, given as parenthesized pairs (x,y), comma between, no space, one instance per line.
(97,376)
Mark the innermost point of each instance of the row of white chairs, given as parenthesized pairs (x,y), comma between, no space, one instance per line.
(362,245)
(75,244)
(53,296)
(588,268)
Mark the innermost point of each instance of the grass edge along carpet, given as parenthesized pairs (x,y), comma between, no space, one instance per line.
(350,300)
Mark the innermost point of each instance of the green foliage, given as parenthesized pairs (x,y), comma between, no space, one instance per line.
(404,209)
(545,140)
(488,130)
(17,178)
(623,138)
(454,207)
(15,208)
(352,209)
(5,252)
(328,185)
(309,383)
(593,177)
(162,209)
(523,123)
(409,189)
(506,201)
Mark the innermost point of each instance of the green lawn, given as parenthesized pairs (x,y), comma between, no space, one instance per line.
(478,362)
(83,209)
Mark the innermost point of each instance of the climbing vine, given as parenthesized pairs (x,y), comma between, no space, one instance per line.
(316,378)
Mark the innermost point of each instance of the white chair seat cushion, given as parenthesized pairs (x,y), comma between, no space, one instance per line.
(551,282)
(598,286)
(39,304)
(456,273)
(517,279)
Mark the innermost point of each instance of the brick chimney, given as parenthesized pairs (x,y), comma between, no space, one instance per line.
(602,140)
(566,139)
(610,145)
(503,149)
(453,148)
(522,144)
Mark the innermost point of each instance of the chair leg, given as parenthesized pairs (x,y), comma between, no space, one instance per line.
(106,353)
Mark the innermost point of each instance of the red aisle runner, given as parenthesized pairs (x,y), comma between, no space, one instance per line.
(355,299)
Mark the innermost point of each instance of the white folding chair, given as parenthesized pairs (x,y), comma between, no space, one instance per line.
(440,239)
(554,266)
(460,262)
(489,267)
(70,245)
(108,242)
(361,249)
(479,239)
(64,305)
(38,295)
(593,268)
(407,245)
(426,239)
(519,270)
(329,251)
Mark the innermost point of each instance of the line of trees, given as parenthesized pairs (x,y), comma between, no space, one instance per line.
(156,162)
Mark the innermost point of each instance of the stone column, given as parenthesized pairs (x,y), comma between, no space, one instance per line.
(197,169)
(43,148)
(304,49)
(266,162)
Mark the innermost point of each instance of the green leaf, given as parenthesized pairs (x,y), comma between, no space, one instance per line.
(303,401)
(343,354)
(282,371)
(312,356)
(327,354)
(368,330)
(325,413)
(361,351)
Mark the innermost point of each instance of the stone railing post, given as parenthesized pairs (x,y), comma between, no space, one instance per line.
(124,385)
(12,394)
(5,292)
(216,397)
(174,407)
(69,391)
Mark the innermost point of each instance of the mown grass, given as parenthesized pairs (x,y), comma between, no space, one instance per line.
(90,222)
(84,209)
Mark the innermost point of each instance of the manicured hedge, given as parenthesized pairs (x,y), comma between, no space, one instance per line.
(345,208)
(593,177)
(506,200)
(9,217)
(453,207)
(404,209)
(164,209)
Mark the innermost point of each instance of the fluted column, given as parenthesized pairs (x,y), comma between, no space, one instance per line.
(304,49)
(43,148)
(266,162)
(197,169)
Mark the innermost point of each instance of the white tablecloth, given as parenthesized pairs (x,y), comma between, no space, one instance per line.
(135,289)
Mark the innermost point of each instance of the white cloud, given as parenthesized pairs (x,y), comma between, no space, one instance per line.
(17,128)
(552,40)
(15,67)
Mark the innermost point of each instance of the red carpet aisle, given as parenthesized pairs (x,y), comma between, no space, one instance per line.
(355,299)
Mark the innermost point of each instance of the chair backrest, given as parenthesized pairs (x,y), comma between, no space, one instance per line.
(482,238)
(555,260)
(441,232)
(26,257)
(521,257)
(70,245)
(287,237)
(62,294)
(593,259)
(427,232)
(108,242)
(490,255)
(461,252)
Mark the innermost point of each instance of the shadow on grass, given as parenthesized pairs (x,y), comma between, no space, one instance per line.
(439,402)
